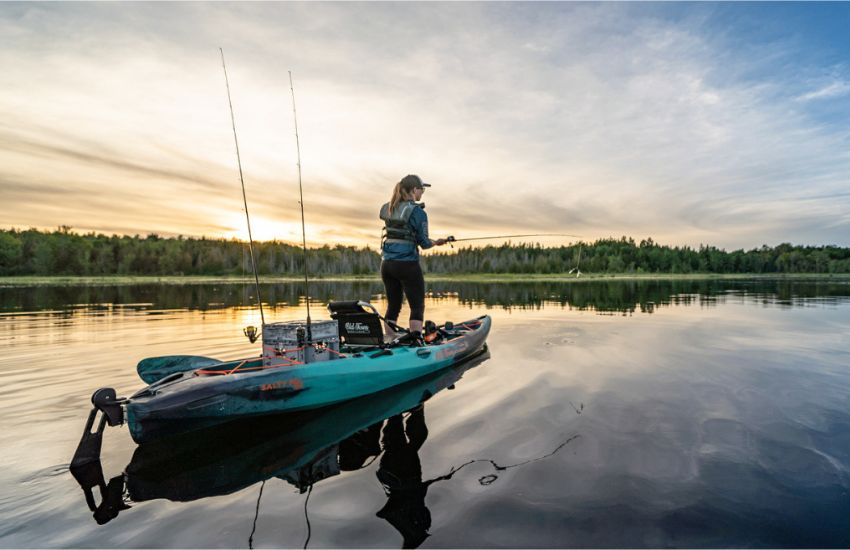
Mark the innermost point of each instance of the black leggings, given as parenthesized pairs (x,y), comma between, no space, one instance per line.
(404,278)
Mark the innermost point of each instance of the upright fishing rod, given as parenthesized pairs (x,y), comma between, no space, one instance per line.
(252,336)
(451,239)
(301,202)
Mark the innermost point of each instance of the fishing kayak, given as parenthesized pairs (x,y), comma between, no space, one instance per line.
(334,362)
(294,447)
(234,389)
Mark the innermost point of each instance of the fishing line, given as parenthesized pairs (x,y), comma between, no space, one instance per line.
(487,480)
(578,263)
(309,528)
(490,478)
(301,202)
(244,197)
(256,514)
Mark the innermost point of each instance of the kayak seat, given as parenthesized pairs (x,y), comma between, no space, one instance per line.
(357,325)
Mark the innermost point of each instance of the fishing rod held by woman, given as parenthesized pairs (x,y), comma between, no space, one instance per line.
(405,231)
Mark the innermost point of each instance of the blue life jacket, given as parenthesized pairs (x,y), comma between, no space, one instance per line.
(397,223)
(405,230)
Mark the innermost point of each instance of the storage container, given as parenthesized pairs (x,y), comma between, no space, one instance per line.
(287,341)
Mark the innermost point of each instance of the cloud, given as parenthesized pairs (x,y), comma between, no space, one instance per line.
(106,160)
(594,119)
(828,91)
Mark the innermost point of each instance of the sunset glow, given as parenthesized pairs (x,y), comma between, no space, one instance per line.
(678,122)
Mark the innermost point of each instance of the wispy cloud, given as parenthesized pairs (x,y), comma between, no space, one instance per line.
(831,90)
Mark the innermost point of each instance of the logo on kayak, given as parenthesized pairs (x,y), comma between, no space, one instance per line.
(292,383)
(451,350)
(357,328)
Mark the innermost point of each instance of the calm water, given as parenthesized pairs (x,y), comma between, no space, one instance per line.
(662,414)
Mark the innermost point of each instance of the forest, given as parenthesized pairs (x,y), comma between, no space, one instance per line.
(65,252)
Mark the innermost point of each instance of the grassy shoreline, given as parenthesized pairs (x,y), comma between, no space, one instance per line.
(460,277)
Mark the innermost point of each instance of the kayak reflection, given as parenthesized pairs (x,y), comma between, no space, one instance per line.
(300,448)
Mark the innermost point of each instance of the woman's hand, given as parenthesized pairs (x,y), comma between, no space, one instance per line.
(440,242)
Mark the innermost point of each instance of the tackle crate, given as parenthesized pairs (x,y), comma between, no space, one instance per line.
(287,341)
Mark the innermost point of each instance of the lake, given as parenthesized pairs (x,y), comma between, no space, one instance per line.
(673,413)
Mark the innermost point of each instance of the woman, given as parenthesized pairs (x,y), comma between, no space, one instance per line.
(405,230)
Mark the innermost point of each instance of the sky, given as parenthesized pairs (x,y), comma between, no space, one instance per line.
(691,123)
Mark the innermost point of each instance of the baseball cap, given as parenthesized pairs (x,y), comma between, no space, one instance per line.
(414,181)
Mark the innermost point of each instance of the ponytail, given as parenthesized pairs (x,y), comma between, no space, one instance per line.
(396,198)
(402,189)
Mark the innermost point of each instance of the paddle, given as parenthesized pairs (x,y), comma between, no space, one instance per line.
(156,368)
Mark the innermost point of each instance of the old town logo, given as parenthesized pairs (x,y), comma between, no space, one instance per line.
(357,328)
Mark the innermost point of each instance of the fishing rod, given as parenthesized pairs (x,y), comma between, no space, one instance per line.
(250,332)
(451,238)
(301,202)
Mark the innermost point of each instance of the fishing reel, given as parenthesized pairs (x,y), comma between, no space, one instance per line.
(251,332)
(450,239)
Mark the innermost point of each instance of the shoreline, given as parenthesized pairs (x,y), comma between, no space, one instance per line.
(126,280)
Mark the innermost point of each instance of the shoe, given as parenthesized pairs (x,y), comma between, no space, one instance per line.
(412,339)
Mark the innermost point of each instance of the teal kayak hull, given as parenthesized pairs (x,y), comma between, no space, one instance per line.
(197,465)
(227,391)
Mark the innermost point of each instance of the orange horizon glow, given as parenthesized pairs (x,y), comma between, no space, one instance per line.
(111,122)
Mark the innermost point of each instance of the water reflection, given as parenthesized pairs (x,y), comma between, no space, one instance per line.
(723,421)
(621,296)
(400,473)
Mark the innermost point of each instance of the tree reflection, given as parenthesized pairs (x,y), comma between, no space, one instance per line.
(619,296)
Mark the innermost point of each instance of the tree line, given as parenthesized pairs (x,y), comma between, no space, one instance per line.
(64,252)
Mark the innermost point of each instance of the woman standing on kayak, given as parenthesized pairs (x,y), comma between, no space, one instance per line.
(405,230)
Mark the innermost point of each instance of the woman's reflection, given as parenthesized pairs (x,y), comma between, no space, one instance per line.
(400,473)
